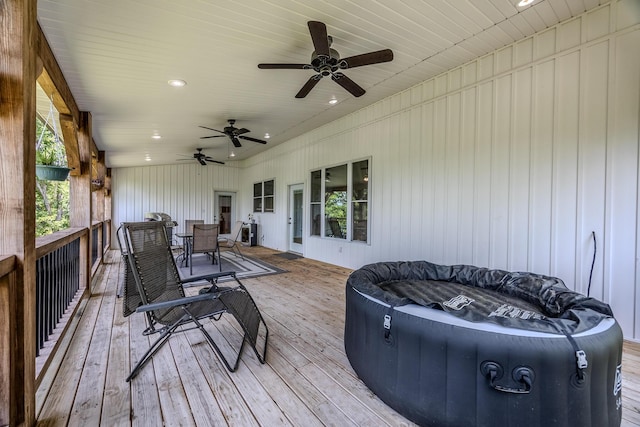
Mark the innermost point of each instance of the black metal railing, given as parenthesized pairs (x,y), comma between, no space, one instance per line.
(106,229)
(95,252)
(57,283)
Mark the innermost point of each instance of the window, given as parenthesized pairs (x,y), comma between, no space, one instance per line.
(335,202)
(268,193)
(257,197)
(316,202)
(263,196)
(339,204)
(360,200)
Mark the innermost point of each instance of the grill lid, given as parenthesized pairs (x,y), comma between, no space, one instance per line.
(159,216)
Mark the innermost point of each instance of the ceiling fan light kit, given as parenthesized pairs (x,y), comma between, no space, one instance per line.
(326,62)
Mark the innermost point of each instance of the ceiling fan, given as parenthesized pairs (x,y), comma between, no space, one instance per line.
(203,158)
(326,62)
(233,133)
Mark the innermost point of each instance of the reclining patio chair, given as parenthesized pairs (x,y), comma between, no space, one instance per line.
(128,279)
(232,240)
(159,293)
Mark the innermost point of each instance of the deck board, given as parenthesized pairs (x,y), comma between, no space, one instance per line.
(307,379)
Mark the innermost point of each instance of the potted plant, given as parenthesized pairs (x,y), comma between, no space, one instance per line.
(47,167)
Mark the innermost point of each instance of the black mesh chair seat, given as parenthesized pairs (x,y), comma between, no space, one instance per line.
(156,289)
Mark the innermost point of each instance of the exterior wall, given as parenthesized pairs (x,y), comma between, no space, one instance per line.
(510,161)
(182,191)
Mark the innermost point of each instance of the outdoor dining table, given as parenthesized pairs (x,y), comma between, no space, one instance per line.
(186,244)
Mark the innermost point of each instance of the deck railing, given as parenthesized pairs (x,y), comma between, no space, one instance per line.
(57,284)
(61,270)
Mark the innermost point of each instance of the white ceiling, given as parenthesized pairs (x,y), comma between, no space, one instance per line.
(118,55)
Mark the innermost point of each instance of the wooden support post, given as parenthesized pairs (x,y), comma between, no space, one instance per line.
(98,194)
(80,197)
(18,65)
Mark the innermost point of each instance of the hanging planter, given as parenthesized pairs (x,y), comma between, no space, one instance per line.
(50,159)
(52,172)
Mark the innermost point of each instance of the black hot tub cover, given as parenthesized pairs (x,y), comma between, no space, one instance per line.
(513,299)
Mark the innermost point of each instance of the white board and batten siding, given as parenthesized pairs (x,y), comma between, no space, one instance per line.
(181,191)
(510,161)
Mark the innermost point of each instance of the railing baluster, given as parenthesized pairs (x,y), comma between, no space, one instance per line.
(48,295)
(39,339)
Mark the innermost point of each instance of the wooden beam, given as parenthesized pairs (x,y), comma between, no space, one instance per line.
(70,138)
(18,46)
(107,179)
(52,80)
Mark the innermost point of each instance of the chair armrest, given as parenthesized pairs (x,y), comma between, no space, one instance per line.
(178,302)
(209,277)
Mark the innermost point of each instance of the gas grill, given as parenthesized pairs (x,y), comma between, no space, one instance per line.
(166,219)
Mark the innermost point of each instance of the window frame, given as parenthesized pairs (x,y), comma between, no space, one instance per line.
(320,232)
(260,198)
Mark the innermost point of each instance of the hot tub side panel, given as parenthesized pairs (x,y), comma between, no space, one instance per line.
(430,371)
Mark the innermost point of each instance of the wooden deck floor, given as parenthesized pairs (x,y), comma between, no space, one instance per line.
(307,380)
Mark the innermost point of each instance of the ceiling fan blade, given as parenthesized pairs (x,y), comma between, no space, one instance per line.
(241,131)
(310,84)
(351,86)
(236,142)
(212,136)
(204,127)
(377,57)
(214,161)
(248,138)
(284,66)
(319,37)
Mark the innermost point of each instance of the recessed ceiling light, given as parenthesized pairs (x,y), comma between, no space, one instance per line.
(333,101)
(232,154)
(177,83)
(267,136)
(156,136)
(524,3)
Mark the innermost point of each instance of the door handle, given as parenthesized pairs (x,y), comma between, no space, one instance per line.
(289,221)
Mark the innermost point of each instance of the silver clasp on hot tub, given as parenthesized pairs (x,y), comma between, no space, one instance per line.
(582,359)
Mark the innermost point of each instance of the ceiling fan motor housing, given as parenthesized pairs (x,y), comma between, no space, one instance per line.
(325,65)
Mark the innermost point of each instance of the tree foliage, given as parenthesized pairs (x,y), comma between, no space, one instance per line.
(52,197)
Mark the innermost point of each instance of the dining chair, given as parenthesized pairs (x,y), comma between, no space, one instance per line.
(204,241)
(232,241)
(188,224)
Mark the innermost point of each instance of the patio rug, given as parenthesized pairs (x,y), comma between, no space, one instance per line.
(248,268)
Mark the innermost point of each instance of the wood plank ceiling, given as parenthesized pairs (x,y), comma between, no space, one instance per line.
(117,57)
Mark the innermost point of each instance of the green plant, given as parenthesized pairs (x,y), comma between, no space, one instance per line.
(46,156)
(52,197)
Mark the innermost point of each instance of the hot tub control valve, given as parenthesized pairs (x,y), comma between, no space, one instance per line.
(493,371)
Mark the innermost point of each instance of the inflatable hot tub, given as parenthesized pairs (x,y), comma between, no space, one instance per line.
(467,346)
